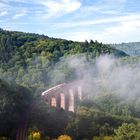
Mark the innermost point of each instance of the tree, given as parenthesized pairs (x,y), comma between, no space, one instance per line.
(34,136)
(127,132)
(103,138)
(64,137)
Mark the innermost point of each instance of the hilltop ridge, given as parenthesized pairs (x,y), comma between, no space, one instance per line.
(27,57)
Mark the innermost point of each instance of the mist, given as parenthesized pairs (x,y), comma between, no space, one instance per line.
(103,75)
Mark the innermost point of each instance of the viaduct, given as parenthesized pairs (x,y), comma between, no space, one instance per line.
(66,96)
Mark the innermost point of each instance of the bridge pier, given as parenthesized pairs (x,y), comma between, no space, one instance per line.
(71,100)
(80,93)
(62,101)
(58,100)
(65,96)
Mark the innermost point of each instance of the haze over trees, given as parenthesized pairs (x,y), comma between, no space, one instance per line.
(33,63)
(132,48)
(28,58)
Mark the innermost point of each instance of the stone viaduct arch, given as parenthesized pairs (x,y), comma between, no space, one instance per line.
(66,96)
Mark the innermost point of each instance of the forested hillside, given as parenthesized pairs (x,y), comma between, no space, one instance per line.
(110,78)
(28,58)
(132,49)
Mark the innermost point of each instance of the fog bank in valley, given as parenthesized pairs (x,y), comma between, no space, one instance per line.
(103,75)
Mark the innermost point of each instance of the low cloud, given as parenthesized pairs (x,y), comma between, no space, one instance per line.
(3,13)
(20,14)
(55,8)
(99,21)
(124,31)
(121,29)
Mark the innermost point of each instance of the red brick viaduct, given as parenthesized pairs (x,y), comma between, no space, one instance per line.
(66,96)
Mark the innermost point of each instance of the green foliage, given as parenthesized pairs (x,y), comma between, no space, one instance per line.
(127,132)
(100,117)
(13,102)
(33,60)
(50,121)
(96,122)
(28,58)
(103,138)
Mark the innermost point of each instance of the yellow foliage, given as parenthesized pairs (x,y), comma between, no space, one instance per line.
(34,136)
(3,138)
(103,138)
(107,138)
(64,137)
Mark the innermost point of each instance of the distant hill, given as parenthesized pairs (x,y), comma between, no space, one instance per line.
(29,58)
(132,48)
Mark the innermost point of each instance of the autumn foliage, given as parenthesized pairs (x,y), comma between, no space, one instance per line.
(64,137)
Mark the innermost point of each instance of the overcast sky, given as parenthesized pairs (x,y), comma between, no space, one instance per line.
(108,21)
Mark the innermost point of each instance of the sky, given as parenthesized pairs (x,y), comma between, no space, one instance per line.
(107,21)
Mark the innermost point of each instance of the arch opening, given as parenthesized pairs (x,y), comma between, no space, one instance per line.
(53,102)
